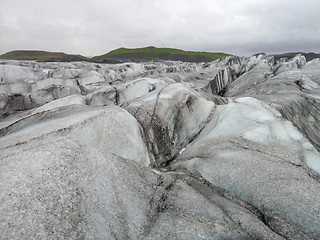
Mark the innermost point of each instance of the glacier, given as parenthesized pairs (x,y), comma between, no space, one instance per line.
(228,149)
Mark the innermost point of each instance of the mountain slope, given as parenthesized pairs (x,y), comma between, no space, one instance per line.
(42,56)
(153,53)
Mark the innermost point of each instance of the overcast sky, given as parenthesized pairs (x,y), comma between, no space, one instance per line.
(94,27)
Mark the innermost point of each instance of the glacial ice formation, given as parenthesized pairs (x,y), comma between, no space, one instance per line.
(160,150)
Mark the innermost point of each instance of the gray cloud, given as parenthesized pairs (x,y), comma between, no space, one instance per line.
(97,26)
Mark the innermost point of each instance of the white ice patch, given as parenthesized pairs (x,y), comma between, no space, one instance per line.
(313,161)
(280,132)
(166,95)
(256,110)
(291,131)
(243,115)
(312,157)
(156,171)
(254,121)
(259,134)
(308,84)
(181,151)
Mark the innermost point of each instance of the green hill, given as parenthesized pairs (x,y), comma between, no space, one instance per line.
(153,53)
(42,56)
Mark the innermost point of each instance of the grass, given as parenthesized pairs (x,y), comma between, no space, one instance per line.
(151,53)
(39,55)
(154,53)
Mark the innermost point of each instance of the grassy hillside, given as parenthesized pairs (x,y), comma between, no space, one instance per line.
(152,53)
(42,56)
